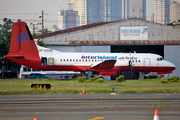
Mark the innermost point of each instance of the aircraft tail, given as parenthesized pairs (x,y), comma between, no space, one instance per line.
(21,40)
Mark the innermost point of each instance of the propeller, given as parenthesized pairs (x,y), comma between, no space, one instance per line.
(130,64)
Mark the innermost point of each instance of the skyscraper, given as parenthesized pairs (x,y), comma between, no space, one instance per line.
(134,9)
(68,19)
(91,11)
(161,11)
(103,10)
(80,6)
(144,10)
(174,11)
(126,9)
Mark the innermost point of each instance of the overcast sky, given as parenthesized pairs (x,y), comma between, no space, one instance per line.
(30,10)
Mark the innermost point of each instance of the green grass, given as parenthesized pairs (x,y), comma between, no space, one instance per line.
(22,87)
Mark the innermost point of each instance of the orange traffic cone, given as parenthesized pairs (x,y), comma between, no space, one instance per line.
(83,92)
(156,115)
(35,119)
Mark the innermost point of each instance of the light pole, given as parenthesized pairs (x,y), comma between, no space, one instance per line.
(42,21)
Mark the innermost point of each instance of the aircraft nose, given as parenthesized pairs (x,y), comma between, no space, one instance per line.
(173,66)
(170,65)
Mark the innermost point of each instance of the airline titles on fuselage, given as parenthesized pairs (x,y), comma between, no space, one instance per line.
(108,57)
(98,57)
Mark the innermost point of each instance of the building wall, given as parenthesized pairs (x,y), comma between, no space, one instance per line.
(171,53)
(109,34)
(99,49)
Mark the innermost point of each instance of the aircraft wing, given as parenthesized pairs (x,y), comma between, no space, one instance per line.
(107,64)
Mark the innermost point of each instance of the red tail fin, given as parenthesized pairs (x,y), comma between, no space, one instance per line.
(23,49)
(21,39)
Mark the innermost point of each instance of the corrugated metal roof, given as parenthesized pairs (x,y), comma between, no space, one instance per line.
(73,29)
(88,27)
(79,28)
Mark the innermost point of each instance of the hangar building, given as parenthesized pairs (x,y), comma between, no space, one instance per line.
(114,37)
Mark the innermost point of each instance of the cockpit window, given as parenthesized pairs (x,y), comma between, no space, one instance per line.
(159,59)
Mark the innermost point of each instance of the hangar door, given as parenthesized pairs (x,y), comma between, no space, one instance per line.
(157,49)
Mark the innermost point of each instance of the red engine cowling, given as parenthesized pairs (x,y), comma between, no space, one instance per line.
(108,73)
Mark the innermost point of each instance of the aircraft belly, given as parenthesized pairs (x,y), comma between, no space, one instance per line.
(148,69)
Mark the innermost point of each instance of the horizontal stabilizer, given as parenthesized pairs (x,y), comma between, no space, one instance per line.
(16,56)
(107,64)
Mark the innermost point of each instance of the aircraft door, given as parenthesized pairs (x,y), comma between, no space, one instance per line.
(44,61)
(51,61)
(146,62)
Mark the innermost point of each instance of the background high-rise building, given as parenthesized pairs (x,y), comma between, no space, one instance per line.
(126,9)
(161,11)
(91,11)
(68,19)
(134,9)
(103,10)
(152,17)
(80,6)
(174,11)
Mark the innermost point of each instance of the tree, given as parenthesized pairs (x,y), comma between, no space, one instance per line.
(45,31)
(5,36)
(171,24)
(40,43)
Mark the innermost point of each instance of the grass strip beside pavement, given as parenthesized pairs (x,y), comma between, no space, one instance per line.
(22,87)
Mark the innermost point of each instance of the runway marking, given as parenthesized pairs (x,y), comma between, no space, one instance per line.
(16,118)
(97,101)
(96,118)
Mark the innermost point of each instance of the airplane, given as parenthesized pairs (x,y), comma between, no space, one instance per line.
(25,51)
